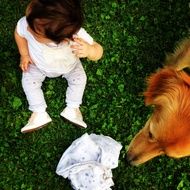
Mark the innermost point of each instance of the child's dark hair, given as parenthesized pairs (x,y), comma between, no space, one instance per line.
(56,19)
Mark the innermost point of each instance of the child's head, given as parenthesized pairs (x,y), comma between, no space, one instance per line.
(54,19)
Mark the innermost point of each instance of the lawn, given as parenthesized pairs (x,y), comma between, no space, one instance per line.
(136,36)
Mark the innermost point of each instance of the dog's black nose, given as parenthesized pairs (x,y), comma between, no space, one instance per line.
(131,158)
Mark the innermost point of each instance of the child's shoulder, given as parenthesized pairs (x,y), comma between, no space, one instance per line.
(82,33)
(22,21)
(22,26)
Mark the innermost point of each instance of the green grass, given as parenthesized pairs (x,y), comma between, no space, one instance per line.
(135,35)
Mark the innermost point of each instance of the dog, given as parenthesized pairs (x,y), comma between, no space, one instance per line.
(167,131)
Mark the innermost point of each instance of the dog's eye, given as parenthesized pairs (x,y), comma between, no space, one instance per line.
(150,135)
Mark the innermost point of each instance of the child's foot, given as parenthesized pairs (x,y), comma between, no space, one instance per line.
(73,115)
(36,121)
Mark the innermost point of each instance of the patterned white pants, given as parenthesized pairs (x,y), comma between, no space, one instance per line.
(32,82)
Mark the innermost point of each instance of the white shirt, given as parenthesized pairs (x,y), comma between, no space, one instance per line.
(51,57)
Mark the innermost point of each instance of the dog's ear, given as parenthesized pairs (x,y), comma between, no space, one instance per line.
(180,58)
(159,84)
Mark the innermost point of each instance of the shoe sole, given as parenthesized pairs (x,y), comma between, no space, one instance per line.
(35,129)
(75,124)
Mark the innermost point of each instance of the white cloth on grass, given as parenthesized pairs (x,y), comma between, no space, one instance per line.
(88,162)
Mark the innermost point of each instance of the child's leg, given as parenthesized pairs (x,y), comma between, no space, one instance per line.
(76,84)
(32,82)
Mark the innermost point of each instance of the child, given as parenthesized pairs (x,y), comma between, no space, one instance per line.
(50,41)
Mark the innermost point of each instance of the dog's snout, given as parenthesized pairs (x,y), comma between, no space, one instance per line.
(131,158)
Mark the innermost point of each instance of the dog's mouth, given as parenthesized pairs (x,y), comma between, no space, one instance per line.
(133,159)
(138,159)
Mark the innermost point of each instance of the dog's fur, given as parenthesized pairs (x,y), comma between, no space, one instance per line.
(167,131)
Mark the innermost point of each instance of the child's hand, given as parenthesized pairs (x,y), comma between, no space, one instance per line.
(24,61)
(82,48)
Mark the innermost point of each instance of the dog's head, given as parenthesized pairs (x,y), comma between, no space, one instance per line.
(167,131)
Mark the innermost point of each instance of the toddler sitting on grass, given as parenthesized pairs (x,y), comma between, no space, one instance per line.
(51,41)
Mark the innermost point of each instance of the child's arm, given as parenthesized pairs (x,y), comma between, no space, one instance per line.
(23,50)
(93,52)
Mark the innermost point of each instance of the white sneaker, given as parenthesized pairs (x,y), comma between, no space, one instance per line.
(73,115)
(36,121)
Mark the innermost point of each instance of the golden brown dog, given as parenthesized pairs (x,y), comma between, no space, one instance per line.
(167,131)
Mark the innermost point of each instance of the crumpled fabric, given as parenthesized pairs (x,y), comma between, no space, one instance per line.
(87,163)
